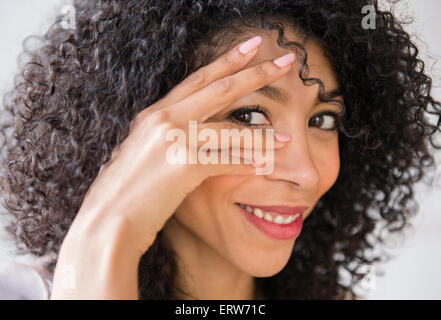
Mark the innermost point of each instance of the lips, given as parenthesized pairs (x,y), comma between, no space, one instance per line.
(271,223)
(286,210)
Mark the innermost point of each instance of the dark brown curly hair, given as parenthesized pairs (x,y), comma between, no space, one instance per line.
(80,89)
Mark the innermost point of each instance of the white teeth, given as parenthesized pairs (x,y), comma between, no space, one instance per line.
(268,217)
(288,220)
(258,213)
(279,219)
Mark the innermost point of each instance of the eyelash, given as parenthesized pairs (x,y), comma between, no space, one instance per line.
(258,108)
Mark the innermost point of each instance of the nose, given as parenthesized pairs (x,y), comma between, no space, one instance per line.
(293,163)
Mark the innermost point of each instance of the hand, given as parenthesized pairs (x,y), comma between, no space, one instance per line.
(138,186)
(137,191)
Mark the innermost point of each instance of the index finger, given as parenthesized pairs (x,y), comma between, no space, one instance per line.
(228,63)
(206,102)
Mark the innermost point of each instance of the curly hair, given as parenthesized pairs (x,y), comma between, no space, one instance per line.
(76,96)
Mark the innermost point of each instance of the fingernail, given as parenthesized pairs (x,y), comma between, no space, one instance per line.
(282,137)
(257,165)
(285,60)
(250,44)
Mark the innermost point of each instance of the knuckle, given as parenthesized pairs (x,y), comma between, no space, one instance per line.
(263,69)
(159,116)
(233,61)
(222,85)
(148,117)
(165,127)
(196,78)
(163,122)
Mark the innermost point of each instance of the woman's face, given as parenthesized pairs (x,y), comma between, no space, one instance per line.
(210,220)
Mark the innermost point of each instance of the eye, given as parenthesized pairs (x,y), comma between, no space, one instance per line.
(327,120)
(249,116)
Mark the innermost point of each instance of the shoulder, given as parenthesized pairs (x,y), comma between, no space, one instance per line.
(23,281)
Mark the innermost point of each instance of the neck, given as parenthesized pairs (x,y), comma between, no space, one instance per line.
(202,273)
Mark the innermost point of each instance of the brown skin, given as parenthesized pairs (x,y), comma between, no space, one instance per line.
(130,200)
(219,251)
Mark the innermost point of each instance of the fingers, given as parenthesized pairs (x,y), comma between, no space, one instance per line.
(236,136)
(227,64)
(204,141)
(201,105)
(231,152)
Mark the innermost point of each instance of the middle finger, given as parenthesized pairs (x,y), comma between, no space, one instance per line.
(208,101)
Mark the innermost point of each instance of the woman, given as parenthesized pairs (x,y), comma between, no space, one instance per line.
(86,175)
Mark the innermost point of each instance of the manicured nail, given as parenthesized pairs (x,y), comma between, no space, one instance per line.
(257,165)
(285,60)
(250,44)
(282,137)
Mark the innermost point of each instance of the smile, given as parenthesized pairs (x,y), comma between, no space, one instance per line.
(270,216)
(277,222)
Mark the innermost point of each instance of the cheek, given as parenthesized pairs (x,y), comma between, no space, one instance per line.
(202,216)
(205,205)
(327,160)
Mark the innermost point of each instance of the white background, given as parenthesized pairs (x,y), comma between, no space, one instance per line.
(414,273)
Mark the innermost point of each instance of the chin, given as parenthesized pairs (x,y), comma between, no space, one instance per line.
(267,270)
(265,265)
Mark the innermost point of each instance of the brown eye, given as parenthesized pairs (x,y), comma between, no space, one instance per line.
(325,121)
(249,116)
(244,117)
(252,117)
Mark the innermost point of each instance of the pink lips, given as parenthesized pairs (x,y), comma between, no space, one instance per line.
(273,230)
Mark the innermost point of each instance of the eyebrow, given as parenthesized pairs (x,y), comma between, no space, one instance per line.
(280,95)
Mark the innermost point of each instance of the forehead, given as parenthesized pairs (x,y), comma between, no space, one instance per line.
(318,65)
